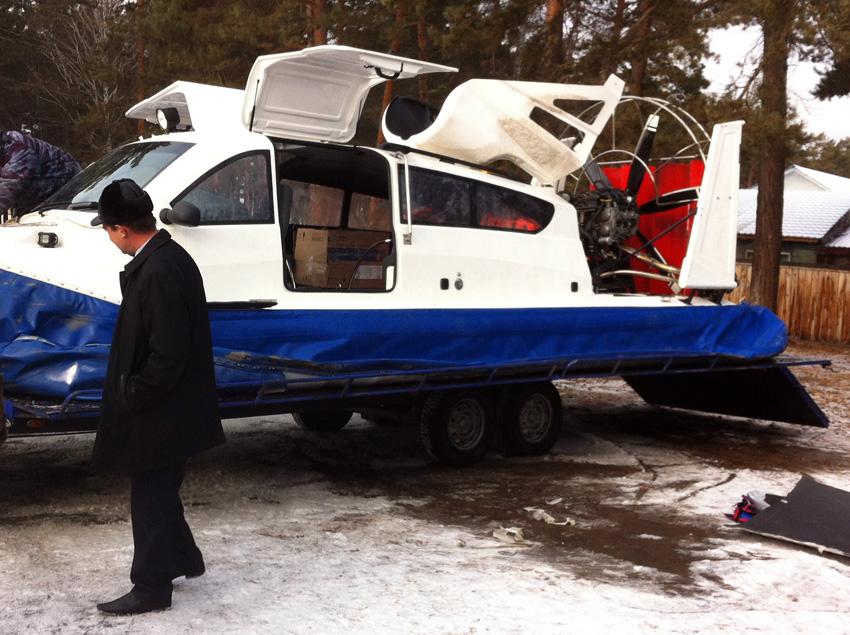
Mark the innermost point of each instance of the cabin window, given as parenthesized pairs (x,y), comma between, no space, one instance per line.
(500,208)
(138,161)
(437,199)
(236,192)
(451,201)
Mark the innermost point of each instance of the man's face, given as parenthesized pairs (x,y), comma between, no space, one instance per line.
(118,234)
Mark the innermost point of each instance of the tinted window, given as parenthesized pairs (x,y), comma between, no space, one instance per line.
(235,192)
(442,199)
(138,161)
(437,199)
(500,208)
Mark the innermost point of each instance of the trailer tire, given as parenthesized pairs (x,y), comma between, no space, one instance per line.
(455,426)
(322,420)
(531,419)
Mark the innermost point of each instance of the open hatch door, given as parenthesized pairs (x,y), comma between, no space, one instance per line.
(318,93)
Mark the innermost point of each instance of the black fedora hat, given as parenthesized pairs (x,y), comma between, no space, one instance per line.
(122,202)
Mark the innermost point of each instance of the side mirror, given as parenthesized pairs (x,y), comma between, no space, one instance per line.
(183,213)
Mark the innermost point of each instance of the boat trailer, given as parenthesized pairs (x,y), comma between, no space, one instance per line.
(765,389)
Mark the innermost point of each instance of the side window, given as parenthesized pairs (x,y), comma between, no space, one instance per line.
(443,199)
(235,192)
(500,208)
(437,199)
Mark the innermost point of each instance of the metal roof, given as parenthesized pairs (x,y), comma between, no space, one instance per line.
(825,180)
(842,240)
(806,214)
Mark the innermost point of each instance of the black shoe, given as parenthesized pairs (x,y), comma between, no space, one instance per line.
(195,571)
(131,604)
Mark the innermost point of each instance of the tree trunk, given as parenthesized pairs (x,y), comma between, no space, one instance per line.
(317,11)
(612,57)
(776,29)
(422,41)
(140,60)
(497,33)
(553,52)
(395,46)
(642,33)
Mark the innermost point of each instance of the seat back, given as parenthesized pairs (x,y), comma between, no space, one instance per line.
(405,117)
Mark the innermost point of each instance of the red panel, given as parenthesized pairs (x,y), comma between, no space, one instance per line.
(674,176)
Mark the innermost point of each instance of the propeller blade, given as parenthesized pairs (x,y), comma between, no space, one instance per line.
(597,176)
(670,200)
(643,150)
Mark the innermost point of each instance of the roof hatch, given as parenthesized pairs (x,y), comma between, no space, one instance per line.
(318,93)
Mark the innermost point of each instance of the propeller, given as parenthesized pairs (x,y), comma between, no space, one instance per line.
(643,150)
(637,172)
(670,200)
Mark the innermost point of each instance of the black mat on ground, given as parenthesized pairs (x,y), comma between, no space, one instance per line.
(813,514)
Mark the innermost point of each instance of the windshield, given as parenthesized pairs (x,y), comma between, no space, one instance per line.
(138,161)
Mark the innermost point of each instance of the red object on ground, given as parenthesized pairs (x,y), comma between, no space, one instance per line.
(674,176)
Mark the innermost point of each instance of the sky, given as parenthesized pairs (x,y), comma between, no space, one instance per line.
(738,44)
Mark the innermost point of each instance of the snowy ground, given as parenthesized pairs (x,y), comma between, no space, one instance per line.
(356,532)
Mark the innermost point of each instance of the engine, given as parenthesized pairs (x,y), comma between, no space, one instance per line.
(606,218)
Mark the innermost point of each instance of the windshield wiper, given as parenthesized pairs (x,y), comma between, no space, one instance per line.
(63,205)
(49,205)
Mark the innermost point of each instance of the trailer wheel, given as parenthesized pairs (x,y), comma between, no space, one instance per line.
(531,419)
(322,420)
(455,426)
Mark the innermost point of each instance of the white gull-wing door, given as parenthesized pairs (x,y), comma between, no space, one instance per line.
(710,260)
(317,94)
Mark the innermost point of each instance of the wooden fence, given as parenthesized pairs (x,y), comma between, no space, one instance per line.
(814,303)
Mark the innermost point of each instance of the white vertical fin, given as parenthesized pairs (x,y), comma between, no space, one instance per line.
(710,260)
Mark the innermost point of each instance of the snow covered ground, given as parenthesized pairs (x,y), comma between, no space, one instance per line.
(356,532)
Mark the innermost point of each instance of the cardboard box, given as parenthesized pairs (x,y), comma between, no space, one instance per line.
(326,258)
(338,275)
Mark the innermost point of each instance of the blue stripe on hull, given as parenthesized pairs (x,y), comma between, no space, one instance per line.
(54,341)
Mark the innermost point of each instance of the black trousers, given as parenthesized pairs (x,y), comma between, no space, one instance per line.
(163,544)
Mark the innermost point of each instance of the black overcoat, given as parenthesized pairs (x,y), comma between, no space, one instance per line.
(160,404)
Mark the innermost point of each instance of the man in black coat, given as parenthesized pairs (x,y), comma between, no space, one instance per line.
(160,405)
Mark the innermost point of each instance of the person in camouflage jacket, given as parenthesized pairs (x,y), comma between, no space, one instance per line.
(30,170)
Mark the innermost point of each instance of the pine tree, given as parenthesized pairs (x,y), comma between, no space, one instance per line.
(788,27)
